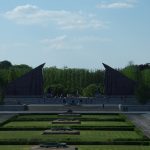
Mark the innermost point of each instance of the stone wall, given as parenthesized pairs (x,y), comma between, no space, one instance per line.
(136,108)
(130,100)
(12,107)
(73,108)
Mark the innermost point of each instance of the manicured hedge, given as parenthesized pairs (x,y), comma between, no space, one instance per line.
(127,133)
(81,119)
(48,124)
(110,128)
(37,141)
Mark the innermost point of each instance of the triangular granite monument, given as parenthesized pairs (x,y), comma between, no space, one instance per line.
(116,83)
(30,84)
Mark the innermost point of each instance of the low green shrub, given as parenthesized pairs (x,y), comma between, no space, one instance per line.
(106,128)
(37,141)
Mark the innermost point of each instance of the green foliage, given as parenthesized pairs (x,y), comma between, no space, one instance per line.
(131,72)
(85,136)
(12,75)
(56,90)
(48,124)
(143,93)
(146,77)
(73,80)
(90,90)
(47,117)
(92,133)
(5,64)
(15,147)
(22,66)
(7,75)
(142,78)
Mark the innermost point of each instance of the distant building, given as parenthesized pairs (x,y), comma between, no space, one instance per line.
(116,83)
(30,84)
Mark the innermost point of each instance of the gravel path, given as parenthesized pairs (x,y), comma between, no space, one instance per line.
(142,121)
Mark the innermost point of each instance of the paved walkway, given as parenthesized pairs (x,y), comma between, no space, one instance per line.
(87,112)
(142,121)
(4,117)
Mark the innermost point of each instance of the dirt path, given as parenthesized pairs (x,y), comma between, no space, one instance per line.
(142,121)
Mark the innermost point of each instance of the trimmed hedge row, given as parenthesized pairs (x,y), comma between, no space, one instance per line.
(106,128)
(65,112)
(81,119)
(39,141)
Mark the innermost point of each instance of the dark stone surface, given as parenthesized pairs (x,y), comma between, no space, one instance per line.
(30,84)
(12,108)
(126,100)
(116,83)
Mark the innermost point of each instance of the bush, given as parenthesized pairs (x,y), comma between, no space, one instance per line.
(90,90)
(55,90)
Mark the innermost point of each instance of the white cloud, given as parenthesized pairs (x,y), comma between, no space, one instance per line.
(55,43)
(73,43)
(94,39)
(117,4)
(30,14)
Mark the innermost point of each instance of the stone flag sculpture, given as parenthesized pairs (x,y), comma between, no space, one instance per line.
(30,84)
(116,83)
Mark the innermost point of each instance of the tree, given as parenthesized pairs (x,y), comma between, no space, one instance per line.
(56,90)
(5,64)
(12,75)
(143,93)
(146,77)
(90,90)
(22,66)
(101,88)
(131,72)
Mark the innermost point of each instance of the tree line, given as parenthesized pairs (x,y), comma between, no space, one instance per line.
(72,81)
(77,82)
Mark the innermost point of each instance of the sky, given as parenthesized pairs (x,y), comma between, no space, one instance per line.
(75,33)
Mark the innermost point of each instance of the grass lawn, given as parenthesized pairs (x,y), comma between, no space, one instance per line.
(29,121)
(14,147)
(82,147)
(87,136)
(48,124)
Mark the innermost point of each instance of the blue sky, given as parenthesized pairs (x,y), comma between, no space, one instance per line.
(75,33)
